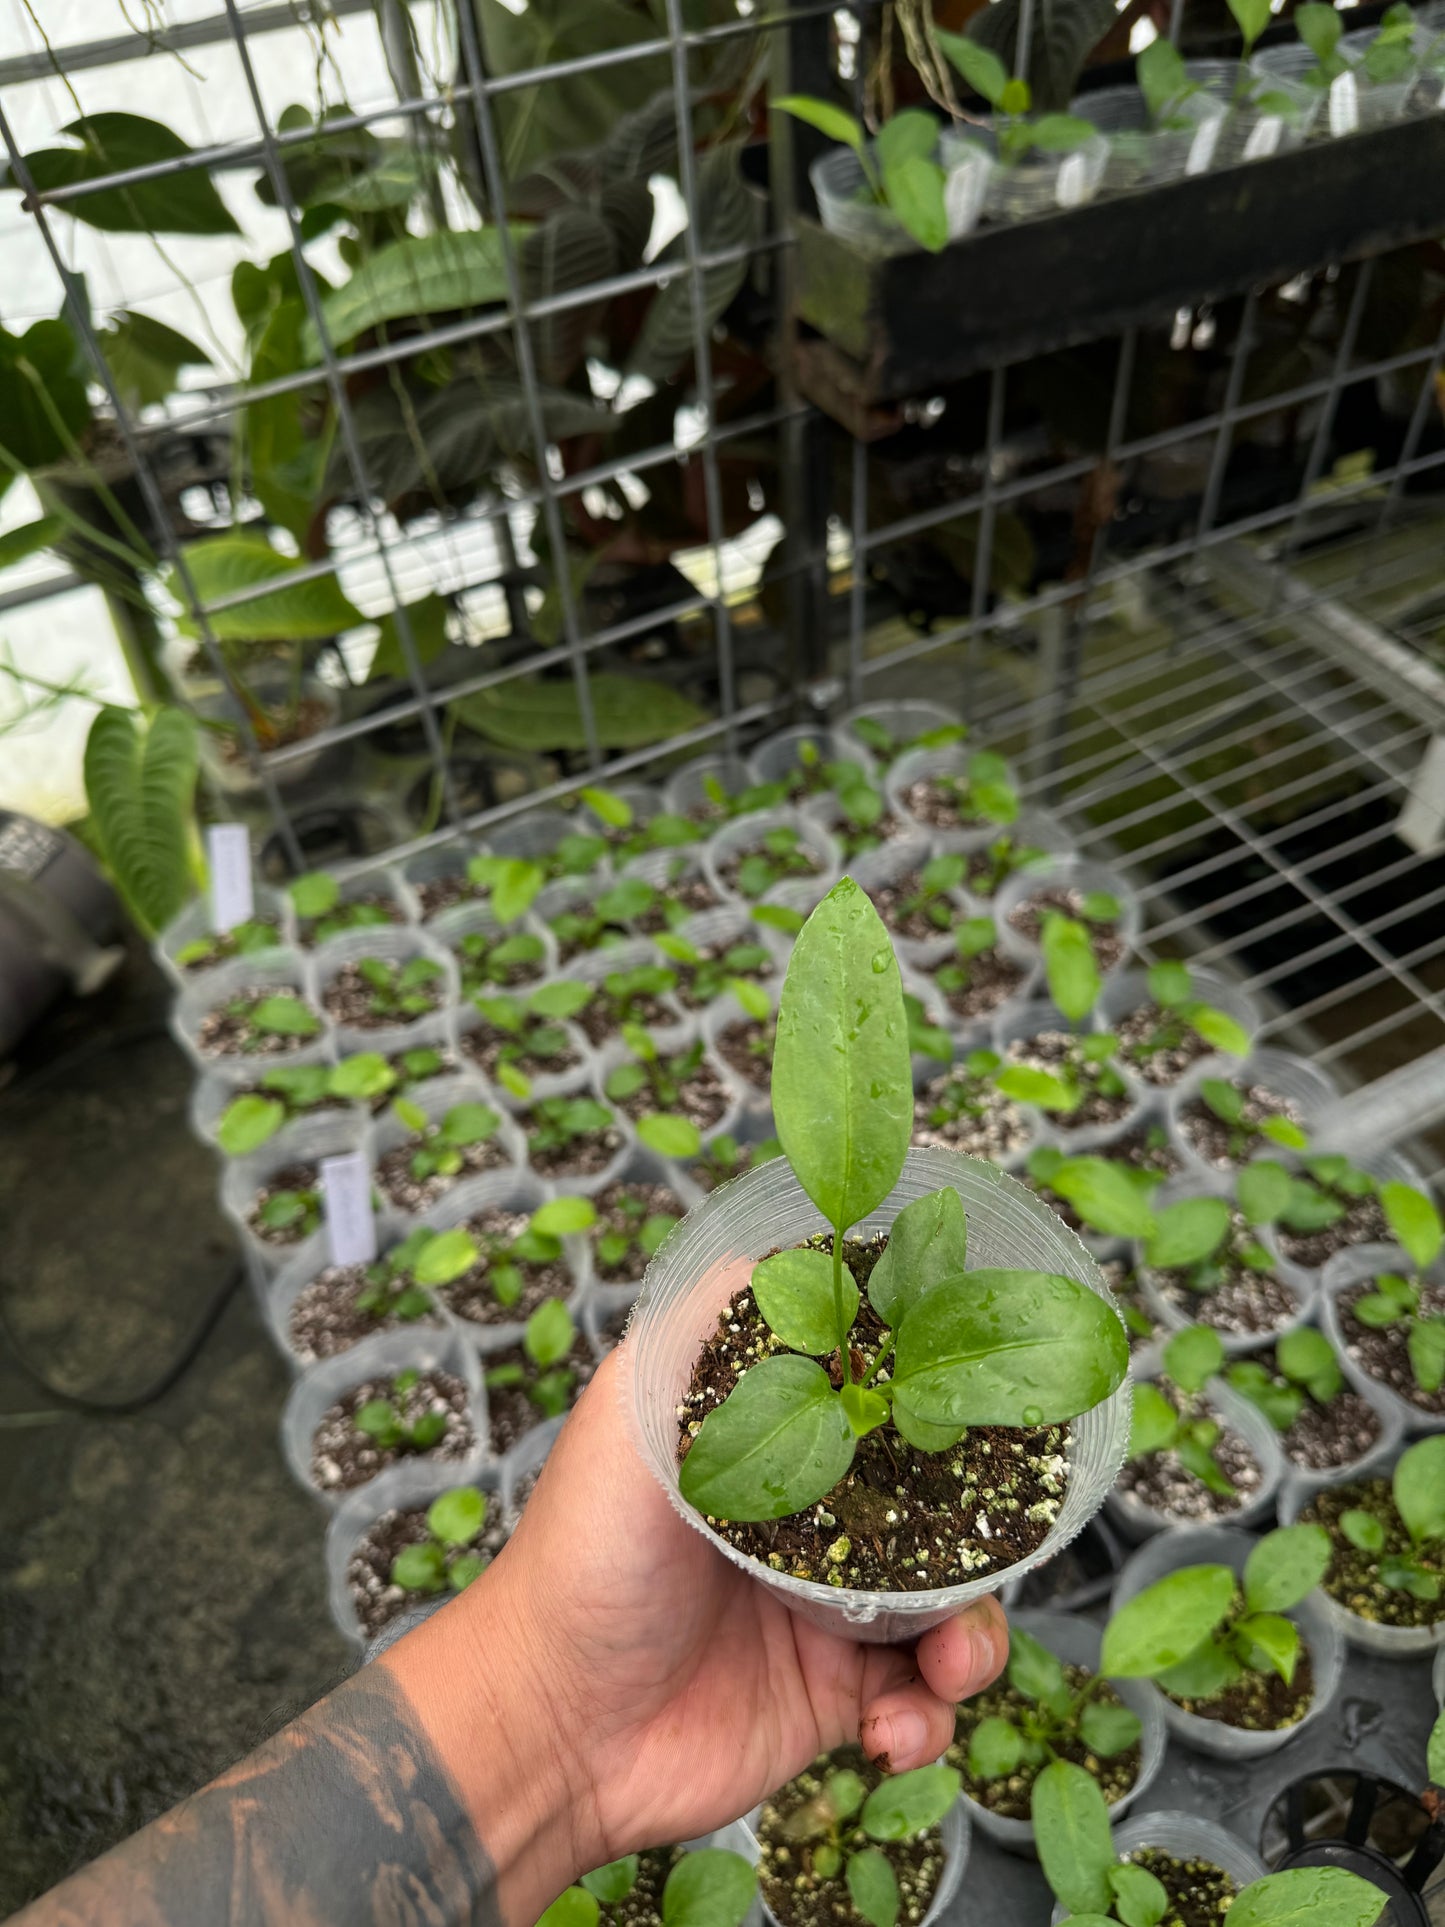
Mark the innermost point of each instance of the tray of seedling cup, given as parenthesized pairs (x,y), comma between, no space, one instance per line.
(988,1329)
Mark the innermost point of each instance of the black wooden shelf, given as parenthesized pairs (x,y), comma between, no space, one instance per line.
(900,325)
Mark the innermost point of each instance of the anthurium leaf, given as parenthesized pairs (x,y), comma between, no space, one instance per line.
(145,357)
(927,1243)
(1166,1622)
(1308,1897)
(778,1442)
(140,788)
(983,70)
(914,187)
(709,1888)
(1419,1489)
(224,565)
(630,712)
(1284,1566)
(43,398)
(842,1074)
(794,1292)
(873,1887)
(906,1803)
(184,202)
(1007,1348)
(1071,1831)
(421,274)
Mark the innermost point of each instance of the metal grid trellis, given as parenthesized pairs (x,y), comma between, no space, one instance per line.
(1126,731)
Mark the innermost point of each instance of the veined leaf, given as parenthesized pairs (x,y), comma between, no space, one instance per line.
(223,565)
(778,1442)
(140,790)
(185,202)
(422,275)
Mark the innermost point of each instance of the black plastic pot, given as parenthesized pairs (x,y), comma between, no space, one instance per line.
(58,923)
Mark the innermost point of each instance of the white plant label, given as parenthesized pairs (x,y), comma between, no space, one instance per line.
(1441,101)
(228,851)
(350,1223)
(1344,105)
(962,197)
(1201,148)
(1073,187)
(1264,137)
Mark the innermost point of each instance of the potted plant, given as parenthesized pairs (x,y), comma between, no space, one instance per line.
(903,187)
(1071,1080)
(1385,1310)
(273,1195)
(1170,1018)
(526,1044)
(1163,127)
(425,1145)
(1366,78)
(242,1015)
(539,1378)
(772,856)
(962,1109)
(1043,913)
(715,950)
(323,907)
(1229,1632)
(491,958)
(1042,161)
(377,987)
(1204,1259)
(1326,1428)
(1221,1121)
(963,797)
(317,1309)
(1335,1202)
(842,1099)
(409,1541)
(703,1886)
(974,976)
(888,729)
(741,1031)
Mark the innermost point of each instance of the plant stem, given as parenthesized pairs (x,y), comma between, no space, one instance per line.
(881,1359)
(838,1306)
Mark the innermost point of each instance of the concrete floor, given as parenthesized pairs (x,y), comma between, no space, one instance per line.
(161,1596)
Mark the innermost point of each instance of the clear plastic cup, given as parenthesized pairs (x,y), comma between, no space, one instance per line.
(1127,991)
(1142,154)
(1280,1072)
(956,1839)
(532,836)
(1251,133)
(1077,1642)
(1343,1273)
(304,1263)
(1015,1023)
(745,833)
(1384,1166)
(733,924)
(585,1184)
(904,719)
(1184,1836)
(318,1388)
(305,1141)
(518,1191)
(270,685)
(753,1100)
(686,788)
(1384,1451)
(1219,1546)
(379,880)
(1031,829)
(779,756)
(1302,1285)
(709,1254)
(1139,1521)
(273,970)
(1046,183)
(195,923)
(889,864)
(1067,873)
(445,862)
(392,947)
(434,1099)
(916,766)
(578,1076)
(846,207)
(618,1052)
(643,799)
(1353,103)
(674,1028)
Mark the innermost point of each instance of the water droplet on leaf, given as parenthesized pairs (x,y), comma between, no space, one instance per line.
(1033,1415)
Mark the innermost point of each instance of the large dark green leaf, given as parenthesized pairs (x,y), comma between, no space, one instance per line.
(727,217)
(777,1443)
(421,277)
(139,788)
(181,203)
(630,712)
(1007,1348)
(43,403)
(286,462)
(571,249)
(223,565)
(1062,33)
(1165,1623)
(145,357)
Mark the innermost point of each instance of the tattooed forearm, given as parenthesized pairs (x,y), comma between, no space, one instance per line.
(346,1819)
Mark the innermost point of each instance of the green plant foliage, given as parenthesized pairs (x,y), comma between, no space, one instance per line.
(420,275)
(1071,1832)
(145,357)
(224,565)
(728,215)
(139,785)
(43,401)
(185,202)
(1061,35)
(29,538)
(630,712)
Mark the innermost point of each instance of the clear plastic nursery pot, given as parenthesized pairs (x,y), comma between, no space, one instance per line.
(1128,991)
(779,756)
(1185,1307)
(195,924)
(745,834)
(442,870)
(956,1838)
(307,1141)
(1346,1271)
(397,948)
(382,880)
(1184,1836)
(1250,132)
(919,766)
(1067,873)
(710,1254)
(905,719)
(1076,1642)
(1015,1024)
(1139,1521)
(686,789)
(1319,1634)
(1143,155)
(1040,183)
(1352,101)
(846,207)
(1306,1087)
(274,971)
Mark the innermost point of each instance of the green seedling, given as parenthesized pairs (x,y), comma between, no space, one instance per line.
(400,1284)
(724,1158)
(509,885)
(1067,946)
(980,794)
(1053,1715)
(861,810)
(1088,1070)
(836,1828)
(557,1125)
(963,1348)
(925,1038)
(1396,1299)
(931,899)
(1179,1014)
(626,994)
(1228,1104)
(1019,134)
(1417,1487)
(607,918)
(648,1073)
(629,1247)
(1165,86)
(442,1147)
(665,831)
(543,1374)
(1323,1193)
(1389,58)
(534,1028)
(284,1092)
(279,1013)
(990,869)
(1108,1195)
(318,902)
(1076,1852)
(780,854)
(707,1888)
(701,978)
(1191,1358)
(489,959)
(887,747)
(973,937)
(1306,1369)
(539,1242)
(402,992)
(297,1213)
(1204,1244)
(1198,1631)
(384,1423)
(247,939)
(441,1563)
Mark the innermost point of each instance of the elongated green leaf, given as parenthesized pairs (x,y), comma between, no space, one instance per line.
(927,1243)
(446,1257)
(794,1292)
(1007,1348)
(1275,1638)
(709,1888)
(630,711)
(777,1443)
(145,357)
(422,275)
(224,565)
(873,1886)
(1263,1190)
(1187,1232)
(983,70)
(140,791)
(185,202)
(1071,1830)
(1109,1197)
(842,1074)
(247,1123)
(1284,1566)
(822,114)
(564,1216)
(1166,1622)
(1414,1222)
(670,1136)
(29,539)
(907,1803)
(1419,1489)
(1034,1671)
(1193,1356)
(1308,1897)
(914,188)
(1073,976)
(1155,1423)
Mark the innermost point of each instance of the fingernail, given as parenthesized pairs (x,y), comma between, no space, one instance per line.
(896,1738)
(988,1643)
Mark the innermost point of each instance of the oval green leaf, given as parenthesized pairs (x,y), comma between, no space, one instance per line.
(1071,1831)
(778,1442)
(873,1887)
(927,1243)
(1419,1489)
(794,1292)
(709,1888)
(1166,1622)
(1308,1897)
(1284,1567)
(906,1803)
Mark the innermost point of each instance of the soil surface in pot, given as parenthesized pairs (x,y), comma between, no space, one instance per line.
(643,1906)
(581,1157)
(797,1896)
(1353,1578)
(1158,1046)
(747,1048)
(1028,917)
(687,995)
(444,893)
(221,946)
(901,1520)
(1200,1894)
(1010,1795)
(905,915)
(1245,1300)
(622,1211)
(228,1031)
(313,930)
(511,1412)
(992,979)
(291,1177)
(1324,1437)
(989,870)
(692,895)
(325,1318)
(1258,1702)
(935,803)
(603,1017)
(1383,1350)
(1363,1223)
(484,1045)
(702,1096)
(409,1193)
(1059,1051)
(342,1457)
(473,1295)
(351,1000)
(1223,1145)
(1161,1482)
(967,1114)
(368,1571)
